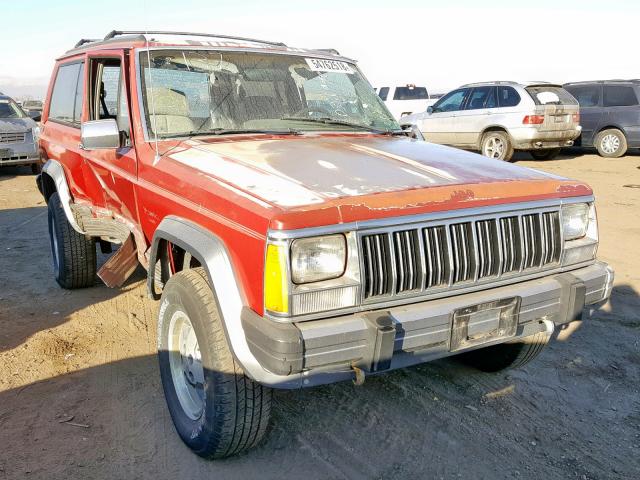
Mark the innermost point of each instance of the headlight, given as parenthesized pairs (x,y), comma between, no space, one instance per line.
(575,220)
(318,258)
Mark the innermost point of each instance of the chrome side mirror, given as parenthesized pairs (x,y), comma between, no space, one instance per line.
(100,135)
(413,131)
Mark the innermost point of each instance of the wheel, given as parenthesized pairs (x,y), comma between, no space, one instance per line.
(611,143)
(497,145)
(546,154)
(216,409)
(74,254)
(506,355)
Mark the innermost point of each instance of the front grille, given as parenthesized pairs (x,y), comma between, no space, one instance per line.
(426,258)
(12,137)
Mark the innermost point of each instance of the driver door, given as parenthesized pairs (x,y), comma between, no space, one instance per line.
(439,125)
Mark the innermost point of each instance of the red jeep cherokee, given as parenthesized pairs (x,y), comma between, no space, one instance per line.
(293,232)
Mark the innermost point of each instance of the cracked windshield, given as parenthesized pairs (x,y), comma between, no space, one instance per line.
(188,93)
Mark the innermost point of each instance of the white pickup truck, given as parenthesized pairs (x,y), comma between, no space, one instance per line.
(406,100)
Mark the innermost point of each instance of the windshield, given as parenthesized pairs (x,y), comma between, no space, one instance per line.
(8,109)
(193,92)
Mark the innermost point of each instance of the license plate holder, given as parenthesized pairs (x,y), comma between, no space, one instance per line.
(484,322)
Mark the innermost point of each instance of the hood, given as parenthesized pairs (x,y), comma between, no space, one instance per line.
(320,171)
(11,125)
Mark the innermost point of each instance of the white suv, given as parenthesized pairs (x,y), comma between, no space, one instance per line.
(403,101)
(497,118)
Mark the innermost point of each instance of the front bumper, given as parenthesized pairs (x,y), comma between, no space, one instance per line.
(24,153)
(325,351)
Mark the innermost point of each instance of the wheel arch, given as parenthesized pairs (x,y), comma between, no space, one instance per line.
(52,179)
(213,255)
(491,128)
(610,127)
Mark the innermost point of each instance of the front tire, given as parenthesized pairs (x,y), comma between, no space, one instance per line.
(217,410)
(74,254)
(611,143)
(506,355)
(547,154)
(497,145)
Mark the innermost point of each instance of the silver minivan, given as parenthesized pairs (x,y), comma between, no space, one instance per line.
(497,118)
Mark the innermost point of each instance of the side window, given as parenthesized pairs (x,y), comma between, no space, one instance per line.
(619,96)
(451,102)
(66,99)
(108,93)
(481,97)
(586,95)
(508,97)
(383,93)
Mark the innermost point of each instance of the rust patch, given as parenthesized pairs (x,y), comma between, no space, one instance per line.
(121,265)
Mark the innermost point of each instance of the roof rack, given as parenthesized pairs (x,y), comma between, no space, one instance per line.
(82,41)
(117,33)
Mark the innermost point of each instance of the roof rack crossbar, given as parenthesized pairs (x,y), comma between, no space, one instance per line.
(82,41)
(116,33)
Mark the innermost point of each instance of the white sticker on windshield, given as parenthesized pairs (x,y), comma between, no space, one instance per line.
(322,65)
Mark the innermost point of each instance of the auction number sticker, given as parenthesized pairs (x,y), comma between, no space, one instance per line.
(322,65)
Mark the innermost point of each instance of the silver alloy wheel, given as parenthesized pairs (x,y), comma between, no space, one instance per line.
(610,144)
(54,245)
(494,147)
(185,362)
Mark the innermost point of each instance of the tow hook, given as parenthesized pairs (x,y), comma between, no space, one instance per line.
(360,376)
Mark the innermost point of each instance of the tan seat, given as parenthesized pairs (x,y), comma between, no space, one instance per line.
(171,111)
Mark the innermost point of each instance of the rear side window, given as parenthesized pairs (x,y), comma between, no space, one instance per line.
(586,95)
(482,97)
(383,93)
(619,96)
(66,99)
(550,95)
(508,97)
(410,93)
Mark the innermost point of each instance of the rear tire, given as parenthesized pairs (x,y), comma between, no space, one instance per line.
(546,154)
(497,145)
(216,409)
(74,254)
(611,143)
(506,355)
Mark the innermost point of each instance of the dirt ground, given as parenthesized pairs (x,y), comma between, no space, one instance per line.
(80,393)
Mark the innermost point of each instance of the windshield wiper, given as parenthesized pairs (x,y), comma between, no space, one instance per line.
(232,131)
(333,121)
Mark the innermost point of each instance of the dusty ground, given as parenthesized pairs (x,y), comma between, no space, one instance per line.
(89,356)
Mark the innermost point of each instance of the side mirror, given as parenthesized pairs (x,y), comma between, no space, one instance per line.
(100,135)
(430,109)
(413,131)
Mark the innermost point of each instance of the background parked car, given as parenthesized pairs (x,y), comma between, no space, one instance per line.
(33,108)
(500,117)
(18,136)
(402,101)
(609,114)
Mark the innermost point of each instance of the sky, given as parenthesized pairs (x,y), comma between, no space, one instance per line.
(440,45)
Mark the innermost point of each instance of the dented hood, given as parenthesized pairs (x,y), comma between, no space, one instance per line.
(364,176)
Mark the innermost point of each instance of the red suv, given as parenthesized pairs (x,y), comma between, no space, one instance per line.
(293,233)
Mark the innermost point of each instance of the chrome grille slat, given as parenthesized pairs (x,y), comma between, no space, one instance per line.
(13,137)
(423,258)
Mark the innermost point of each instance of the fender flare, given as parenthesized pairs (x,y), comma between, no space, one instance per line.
(53,169)
(213,255)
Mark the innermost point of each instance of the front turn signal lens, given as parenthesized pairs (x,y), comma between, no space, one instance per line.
(276,286)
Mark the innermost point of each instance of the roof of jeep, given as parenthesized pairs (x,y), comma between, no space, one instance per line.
(525,84)
(139,39)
